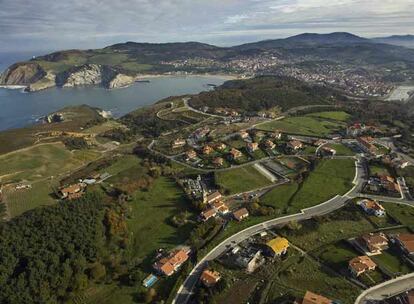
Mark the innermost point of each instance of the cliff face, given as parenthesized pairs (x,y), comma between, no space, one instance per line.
(22,74)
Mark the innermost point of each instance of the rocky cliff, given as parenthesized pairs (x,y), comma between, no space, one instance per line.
(22,74)
(35,78)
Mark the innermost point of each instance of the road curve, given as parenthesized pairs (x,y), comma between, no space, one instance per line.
(333,204)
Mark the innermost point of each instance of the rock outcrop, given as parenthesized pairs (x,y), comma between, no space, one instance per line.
(120,81)
(22,74)
(88,74)
(46,82)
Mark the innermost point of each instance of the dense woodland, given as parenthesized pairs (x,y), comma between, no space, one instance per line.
(49,254)
(263,93)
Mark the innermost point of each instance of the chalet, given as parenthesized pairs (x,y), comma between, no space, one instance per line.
(235,154)
(178,143)
(251,147)
(295,145)
(190,155)
(374,243)
(313,298)
(240,214)
(207,214)
(406,242)
(243,134)
(269,144)
(372,207)
(207,150)
(169,264)
(360,265)
(213,197)
(210,278)
(218,161)
(278,246)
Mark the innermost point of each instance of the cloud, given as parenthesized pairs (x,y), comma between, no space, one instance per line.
(51,24)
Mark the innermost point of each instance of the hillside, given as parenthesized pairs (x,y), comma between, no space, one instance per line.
(120,64)
(400,40)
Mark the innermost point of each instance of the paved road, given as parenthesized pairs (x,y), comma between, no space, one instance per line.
(387,289)
(335,203)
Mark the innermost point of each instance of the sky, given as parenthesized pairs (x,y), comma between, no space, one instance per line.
(45,25)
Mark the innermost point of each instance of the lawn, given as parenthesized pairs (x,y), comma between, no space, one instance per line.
(391,262)
(41,161)
(331,177)
(337,255)
(402,213)
(241,179)
(341,150)
(279,197)
(378,170)
(304,125)
(333,115)
(149,222)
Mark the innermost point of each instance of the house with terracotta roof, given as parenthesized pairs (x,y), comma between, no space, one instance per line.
(72,192)
(276,135)
(241,214)
(269,144)
(235,154)
(220,146)
(313,298)
(295,145)
(366,143)
(373,243)
(210,277)
(277,246)
(190,154)
(213,197)
(220,207)
(207,214)
(251,147)
(169,264)
(243,134)
(360,265)
(218,161)
(178,143)
(207,149)
(406,242)
(372,207)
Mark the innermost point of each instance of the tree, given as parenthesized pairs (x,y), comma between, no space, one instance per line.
(98,271)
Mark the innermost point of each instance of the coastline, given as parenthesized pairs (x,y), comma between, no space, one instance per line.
(13,87)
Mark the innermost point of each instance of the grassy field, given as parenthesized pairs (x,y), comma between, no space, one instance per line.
(402,213)
(241,179)
(333,115)
(149,224)
(41,161)
(306,125)
(279,197)
(341,150)
(377,169)
(19,201)
(330,177)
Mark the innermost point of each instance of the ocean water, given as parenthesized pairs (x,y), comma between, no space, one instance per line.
(18,109)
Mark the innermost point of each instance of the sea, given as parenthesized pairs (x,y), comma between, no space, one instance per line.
(19,109)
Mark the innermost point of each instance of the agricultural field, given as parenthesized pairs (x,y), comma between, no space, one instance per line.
(332,115)
(279,197)
(41,161)
(402,213)
(306,125)
(241,179)
(376,169)
(19,201)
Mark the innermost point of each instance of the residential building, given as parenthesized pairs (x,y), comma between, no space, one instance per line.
(329,150)
(169,264)
(207,214)
(218,161)
(213,197)
(269,144)
(372,207)
(406,242)
(220,207)
(251,147)
(190,154)
(72,192)
(235,154)
(374,243)
(319,142)
(295,145)
(313,298)
(361,264)
(207,149)
(366,143)
(278,246)
(276,135)
(243,134)
(241,214)
(220,146)
(178,143)
(210,277)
